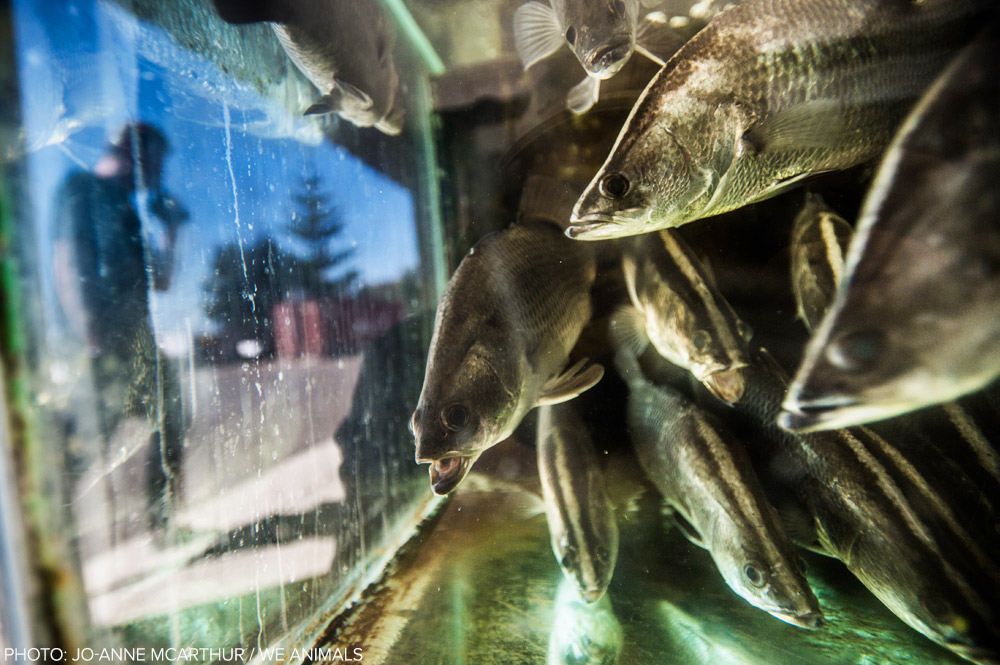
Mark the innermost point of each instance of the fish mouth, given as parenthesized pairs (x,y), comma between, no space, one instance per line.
(446,473)
(591,596)
(593,227)
(728,384)
(608,61)
(810,620)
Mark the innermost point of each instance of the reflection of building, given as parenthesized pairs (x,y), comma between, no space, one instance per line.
(331,326)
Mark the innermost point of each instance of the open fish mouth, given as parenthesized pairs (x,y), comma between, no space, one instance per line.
(728,385)
(447,472)
(608,61)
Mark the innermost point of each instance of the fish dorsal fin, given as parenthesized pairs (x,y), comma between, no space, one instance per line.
(687,530)
(814,124)
(343,97)
(537,33)
(583,95)
(581,376)
(654,38)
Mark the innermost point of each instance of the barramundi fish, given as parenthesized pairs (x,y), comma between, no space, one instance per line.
(917,319)
(683,315)
(603,35)
(503,332)
(581,521)
(345,48)
(819,242)
(867,506)
(704,473)
(769,93)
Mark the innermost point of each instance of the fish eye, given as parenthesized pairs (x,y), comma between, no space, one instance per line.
(700,340)
(744,330)
(854,351)
(754,575)
(614,186)
(618,7)
(570,35)
(455,417)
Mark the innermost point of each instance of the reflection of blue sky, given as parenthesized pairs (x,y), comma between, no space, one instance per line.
(83,74)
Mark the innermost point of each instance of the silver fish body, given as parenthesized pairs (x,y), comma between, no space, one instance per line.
(769,93)
(705,474)
(504,328)
(346,50)
(869,508)
(917,320)
(685,317)
(819,243)
(581,521)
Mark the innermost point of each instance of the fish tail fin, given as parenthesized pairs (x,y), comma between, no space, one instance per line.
(537,33)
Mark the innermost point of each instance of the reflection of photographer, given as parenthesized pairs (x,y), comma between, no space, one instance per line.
(105,262)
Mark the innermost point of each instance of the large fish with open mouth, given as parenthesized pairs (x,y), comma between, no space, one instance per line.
(917,319)
(581,521)
(345,48)
(681,312)
(505,326)
(769,93)
(603,35)
(705,474)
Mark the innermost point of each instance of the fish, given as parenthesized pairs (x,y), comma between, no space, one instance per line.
(582,524)
(584,633)
(702,470)
(683,315)
(865,507)
(767,95)
(819,243)
(916,320)
(603,35)
(504,328)
(344,48)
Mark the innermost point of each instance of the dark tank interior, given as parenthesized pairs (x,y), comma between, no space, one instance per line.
(492,331)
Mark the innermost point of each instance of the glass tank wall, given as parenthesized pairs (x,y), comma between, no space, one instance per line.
(226,228)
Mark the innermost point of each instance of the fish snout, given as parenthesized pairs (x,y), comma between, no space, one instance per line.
(728,385)
(448,472)
(591,595)
(809,620)
(608,60)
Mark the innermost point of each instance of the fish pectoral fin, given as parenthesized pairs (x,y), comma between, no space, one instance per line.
(687,530)
(654,38)
(583,95)
(343,97)
(537,33)
(818,123)
(391,124)
(580,377)
(628,331)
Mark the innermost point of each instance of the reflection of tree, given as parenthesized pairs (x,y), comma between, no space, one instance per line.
(315,224)
(243,288)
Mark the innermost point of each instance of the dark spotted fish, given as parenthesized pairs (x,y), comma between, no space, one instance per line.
(581,521)
(917,319)
(769,93)
(504,328)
